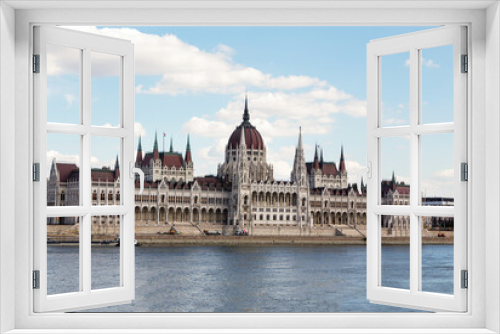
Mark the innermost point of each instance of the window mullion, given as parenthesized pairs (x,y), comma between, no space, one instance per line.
(415,245)
(85,172)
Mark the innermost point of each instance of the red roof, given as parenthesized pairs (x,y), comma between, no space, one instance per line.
(253,139)
(64,170)
(168,159)
(404,190)
(329,168)
(102,175)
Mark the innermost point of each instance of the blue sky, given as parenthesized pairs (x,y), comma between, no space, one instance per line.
(193,79)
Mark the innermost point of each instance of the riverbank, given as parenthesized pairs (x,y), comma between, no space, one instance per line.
(166,240)
(252,240)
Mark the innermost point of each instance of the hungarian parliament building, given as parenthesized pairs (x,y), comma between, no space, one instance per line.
(243,194)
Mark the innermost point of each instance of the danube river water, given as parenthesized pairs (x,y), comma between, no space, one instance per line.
(292,278)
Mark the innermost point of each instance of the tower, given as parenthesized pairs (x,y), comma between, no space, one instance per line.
(342,169)
(316,171)
(187,158)
(138,158)
(299,171)
(156,154)
(116,171)
(299,178)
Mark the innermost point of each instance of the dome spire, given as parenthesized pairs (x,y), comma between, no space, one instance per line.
(246,114)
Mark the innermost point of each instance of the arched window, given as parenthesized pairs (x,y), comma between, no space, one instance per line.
(118,196)
(102,196)
(63,196)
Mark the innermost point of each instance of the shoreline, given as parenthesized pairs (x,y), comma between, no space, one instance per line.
(157,241)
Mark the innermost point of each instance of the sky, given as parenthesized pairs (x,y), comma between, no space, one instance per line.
(192,80)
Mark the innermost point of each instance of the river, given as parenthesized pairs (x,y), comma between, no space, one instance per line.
(292,278)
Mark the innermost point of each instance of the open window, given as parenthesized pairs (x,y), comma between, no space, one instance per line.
(423,129)
(70,64)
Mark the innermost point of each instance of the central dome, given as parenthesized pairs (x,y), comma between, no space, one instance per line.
(253,139)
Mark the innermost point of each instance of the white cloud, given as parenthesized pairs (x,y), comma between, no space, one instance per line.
(139,130)
(425,62)
(353,167)
(282,161)
(186,68)
(446,173)
(429,63)
(394,121)
(69,99)
(207,128)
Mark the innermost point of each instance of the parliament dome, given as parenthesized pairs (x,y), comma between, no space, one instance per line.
(253,139)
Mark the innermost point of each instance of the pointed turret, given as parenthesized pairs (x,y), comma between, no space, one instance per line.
(316,160)
(188,158)
(393,178)
(299,171)
(138,158)
(321,161)
(171,150)
(246,114)
(342,161)
(156,154)
(117,168)
(299,145)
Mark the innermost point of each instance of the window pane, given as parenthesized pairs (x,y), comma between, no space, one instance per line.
(395,89)
(437,254)
(63,174)
(63,255)
(105,252)
(437,172)
(395,170)
(105,89)
(105,172)
(437,84)
(63,84)
(395,234)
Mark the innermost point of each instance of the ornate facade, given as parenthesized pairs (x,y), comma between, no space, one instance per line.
(243,194)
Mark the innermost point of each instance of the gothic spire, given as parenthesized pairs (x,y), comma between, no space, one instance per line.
(188,158)
(138,158)
(342,161)
(116,171)
(172,145)
(321,159)
(299,145)
(246,114)
(156,154)
(393,178)
(316,160)
(155,145)
(299,171)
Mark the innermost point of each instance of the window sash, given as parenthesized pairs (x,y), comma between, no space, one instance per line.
(86,297)
(413,43)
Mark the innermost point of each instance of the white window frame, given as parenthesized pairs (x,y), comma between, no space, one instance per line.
(484,83)
(413,43)
(87,44)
